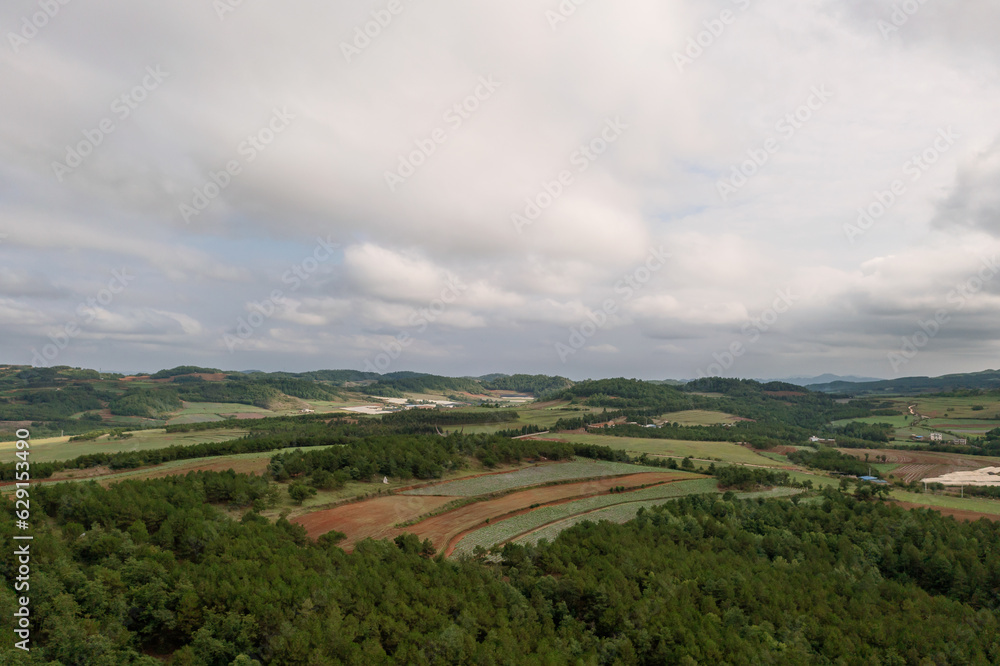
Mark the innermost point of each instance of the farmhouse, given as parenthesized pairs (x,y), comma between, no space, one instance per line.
(936,437)
(960,441)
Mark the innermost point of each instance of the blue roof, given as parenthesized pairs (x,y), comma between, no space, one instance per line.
(869,478)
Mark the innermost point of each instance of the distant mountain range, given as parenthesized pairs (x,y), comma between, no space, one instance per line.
(985,380)
(823,379)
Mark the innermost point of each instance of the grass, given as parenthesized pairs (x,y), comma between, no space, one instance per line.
(60,448)
(946,501)
(531,476)
(722,451)
(699,417)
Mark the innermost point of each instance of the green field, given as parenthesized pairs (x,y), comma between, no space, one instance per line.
(975,427)
(897,421)
(723,451)
(531,476)
(961,408)
(946,501)
(542,415)
(505,530)
(60,448)
(699,417)
(624,512)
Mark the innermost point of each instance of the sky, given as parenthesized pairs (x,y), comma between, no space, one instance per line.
(753,188)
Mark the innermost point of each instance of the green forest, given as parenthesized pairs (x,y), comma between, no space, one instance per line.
(139,570)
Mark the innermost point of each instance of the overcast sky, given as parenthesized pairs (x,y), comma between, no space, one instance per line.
(644,189)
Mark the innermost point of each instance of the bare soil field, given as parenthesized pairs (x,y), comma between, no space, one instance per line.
(372,518)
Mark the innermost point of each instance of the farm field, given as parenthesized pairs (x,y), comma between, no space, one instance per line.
(530,476)
(974,504)
(541,414)
(507,529)
(917,465)
(696,417)
(442,529)
(60,448)
(197,412)
(962,426)
(622,513)
(370,519)
(724,451)
(897,421)
(962,407)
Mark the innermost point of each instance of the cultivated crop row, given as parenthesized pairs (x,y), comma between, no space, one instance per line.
(531,476)
(505,530)
(622,513)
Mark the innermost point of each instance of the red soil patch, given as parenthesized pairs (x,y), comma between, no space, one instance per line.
(957,514)
(372,518)
(783,450)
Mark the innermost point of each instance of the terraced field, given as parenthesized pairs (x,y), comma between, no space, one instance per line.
(508,529)
(530,476)
(621,513)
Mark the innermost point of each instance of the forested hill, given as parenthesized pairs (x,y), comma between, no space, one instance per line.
(770,403)
(146,571)
(987,380)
